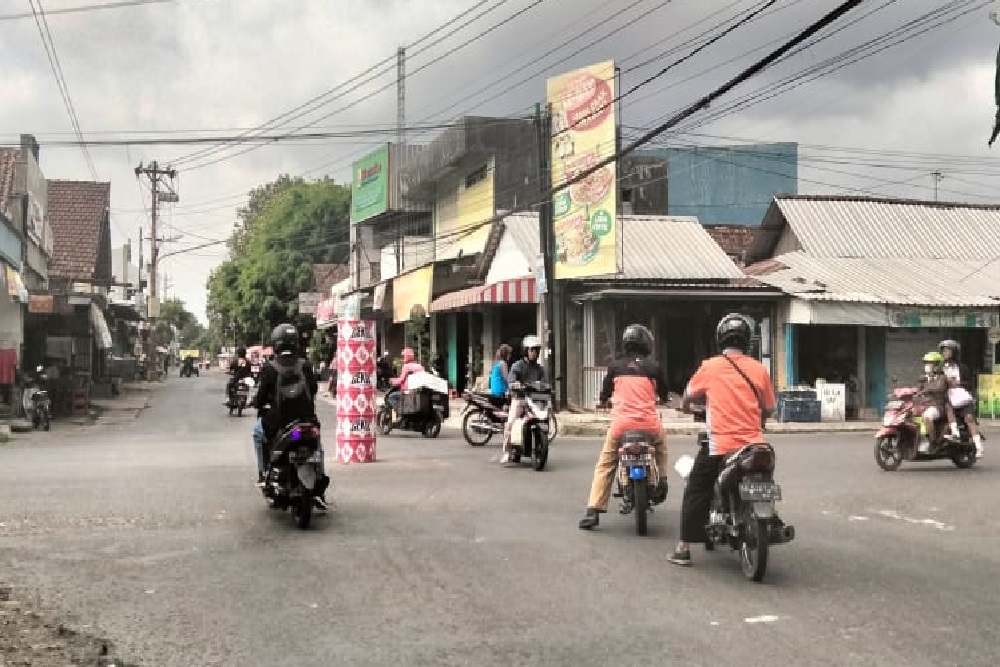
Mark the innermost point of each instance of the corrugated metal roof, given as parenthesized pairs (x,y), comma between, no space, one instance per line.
(893,281)
(870,227)
(653,248)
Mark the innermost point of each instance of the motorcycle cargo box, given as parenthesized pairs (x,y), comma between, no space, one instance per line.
(416,402)
(426,381)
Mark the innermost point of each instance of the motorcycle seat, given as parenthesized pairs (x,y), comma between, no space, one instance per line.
(645,437)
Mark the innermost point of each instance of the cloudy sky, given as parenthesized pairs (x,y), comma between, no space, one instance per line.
(919,100)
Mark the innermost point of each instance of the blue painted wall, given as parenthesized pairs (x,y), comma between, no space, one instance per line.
(731,184)
(10,244)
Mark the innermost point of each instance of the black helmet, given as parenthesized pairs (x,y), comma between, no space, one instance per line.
(953,345)
(638,340)
(284,339)
(733,330)
(241,352)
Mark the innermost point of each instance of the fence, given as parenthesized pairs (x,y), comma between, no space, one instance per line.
(593,378)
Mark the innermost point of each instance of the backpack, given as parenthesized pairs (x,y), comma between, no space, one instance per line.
(291,385)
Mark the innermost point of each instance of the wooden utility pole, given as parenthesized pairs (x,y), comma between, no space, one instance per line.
(154,173)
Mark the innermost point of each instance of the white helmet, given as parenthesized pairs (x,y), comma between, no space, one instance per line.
(530,342)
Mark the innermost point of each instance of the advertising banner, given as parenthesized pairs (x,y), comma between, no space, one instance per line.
(356,398)
(370,187)
(584,133)
(412,290)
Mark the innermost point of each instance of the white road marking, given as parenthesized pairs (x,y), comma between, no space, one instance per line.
(857,518)
(767,618)
(893,514)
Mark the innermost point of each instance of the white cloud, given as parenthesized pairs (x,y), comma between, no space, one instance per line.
(200,64)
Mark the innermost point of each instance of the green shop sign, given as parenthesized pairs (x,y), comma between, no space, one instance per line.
(930,318)
(370,188)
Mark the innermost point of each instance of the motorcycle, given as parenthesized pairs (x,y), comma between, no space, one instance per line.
(188,368)
(422,410)
(529,434)
(485,415)
(742,514)
(293,477)
(638,477)
(36,401)
(900,437)
(241,396)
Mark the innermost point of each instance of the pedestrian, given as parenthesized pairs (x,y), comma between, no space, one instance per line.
(499,385)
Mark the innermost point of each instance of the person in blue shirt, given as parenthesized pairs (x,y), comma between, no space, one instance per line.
(498,375)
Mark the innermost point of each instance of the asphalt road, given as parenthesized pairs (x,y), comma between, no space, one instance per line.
(153,535)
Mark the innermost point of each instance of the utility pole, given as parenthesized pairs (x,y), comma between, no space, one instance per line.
(154,173)
(938,177)
(546,237)
(400,138)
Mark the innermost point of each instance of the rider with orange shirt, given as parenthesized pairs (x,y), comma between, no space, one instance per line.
(633,384)
(738,395)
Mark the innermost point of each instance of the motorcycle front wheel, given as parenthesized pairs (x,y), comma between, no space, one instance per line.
(539,449)
(753,551)
(476,428)
(887,453)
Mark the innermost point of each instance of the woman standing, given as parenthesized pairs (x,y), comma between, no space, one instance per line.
(500,371)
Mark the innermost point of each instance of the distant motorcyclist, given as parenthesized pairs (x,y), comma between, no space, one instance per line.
(633,384)
(525,370)
(238,369)
(738,397)
(288,375)
(961,392)
(932,396)
(410,366)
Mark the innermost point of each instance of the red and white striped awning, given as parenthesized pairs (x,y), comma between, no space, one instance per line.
(516,291)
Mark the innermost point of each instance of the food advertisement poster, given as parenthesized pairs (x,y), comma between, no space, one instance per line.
(582,104)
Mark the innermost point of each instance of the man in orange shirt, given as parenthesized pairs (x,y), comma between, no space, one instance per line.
(738,395)
(635,384)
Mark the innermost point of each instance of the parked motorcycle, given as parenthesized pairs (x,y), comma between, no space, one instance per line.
(241,396)
(485,415)
(529,435)
(36,401)
(900,437)
(638,477)
(293,477)
(421,410)
(743,513)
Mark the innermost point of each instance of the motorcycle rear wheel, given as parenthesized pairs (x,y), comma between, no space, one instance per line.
(754,549)
(473,436)
(432,428)
(302,509)
(46,420)
(887,453)
(964,461)
(383,420)
(640,494)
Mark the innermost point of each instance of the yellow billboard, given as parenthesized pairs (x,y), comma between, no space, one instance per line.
(582,104)
(412,290)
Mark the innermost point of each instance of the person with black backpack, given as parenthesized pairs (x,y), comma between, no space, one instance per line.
(286,392)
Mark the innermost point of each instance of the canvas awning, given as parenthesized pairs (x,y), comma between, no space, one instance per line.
(102,335)
(515,291)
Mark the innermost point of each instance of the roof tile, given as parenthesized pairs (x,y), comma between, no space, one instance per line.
(77,211)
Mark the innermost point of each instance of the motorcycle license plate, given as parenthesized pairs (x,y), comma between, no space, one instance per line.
(638,472)
(759,491)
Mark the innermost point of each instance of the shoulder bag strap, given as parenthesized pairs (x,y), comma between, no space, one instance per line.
(760,403)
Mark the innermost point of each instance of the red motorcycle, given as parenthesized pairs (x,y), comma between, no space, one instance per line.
(900,437)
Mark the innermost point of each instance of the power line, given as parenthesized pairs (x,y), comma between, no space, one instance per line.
(387,65)
(87,8)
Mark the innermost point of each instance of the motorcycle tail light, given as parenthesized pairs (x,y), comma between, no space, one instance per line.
(759,459)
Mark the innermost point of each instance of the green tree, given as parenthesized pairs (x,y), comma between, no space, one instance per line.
(174,314)
(286,227)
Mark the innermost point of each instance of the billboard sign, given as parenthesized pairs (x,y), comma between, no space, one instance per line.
(370,187)
(584,133)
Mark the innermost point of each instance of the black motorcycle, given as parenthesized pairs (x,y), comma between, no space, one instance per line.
(486,415)
(239,395)
(639,477)
(420,410)
(36,401)
(743,513)
(293,477)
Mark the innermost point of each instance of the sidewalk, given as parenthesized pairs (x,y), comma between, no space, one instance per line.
(595,425)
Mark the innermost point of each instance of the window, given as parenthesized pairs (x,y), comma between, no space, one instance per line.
(475,177)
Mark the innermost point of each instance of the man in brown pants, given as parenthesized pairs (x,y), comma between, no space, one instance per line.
(635,384)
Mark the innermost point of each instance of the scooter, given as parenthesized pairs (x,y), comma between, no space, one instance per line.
(900,437)
(36,401)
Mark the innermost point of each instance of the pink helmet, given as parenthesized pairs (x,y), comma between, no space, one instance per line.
(407,355)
